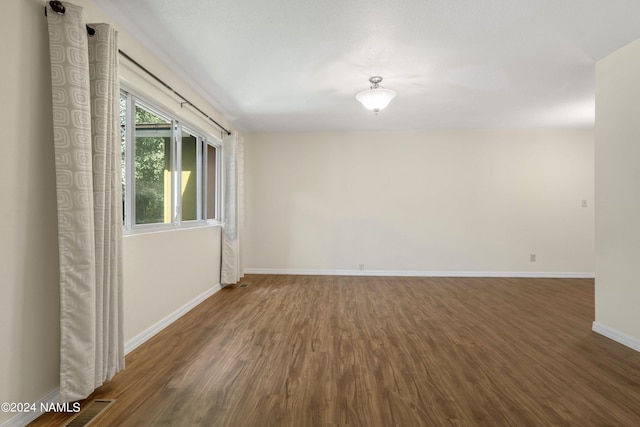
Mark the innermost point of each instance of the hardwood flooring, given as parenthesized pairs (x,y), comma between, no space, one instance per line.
(380,351)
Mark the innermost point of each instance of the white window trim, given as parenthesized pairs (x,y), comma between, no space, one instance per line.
(219,183)
(178,125)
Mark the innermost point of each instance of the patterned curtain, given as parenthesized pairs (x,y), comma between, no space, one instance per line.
(232,268)
(86,137)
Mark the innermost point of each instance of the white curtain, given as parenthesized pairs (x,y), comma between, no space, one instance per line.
(232,268)
(86,94)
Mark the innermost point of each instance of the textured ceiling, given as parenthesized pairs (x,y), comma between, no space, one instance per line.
(296,65)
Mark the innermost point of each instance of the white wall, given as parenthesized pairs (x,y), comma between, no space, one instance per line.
(29,296)
(617,184)
(166,270)
(163,271)
(422,202)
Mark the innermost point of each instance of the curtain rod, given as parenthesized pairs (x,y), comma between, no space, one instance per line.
(59,8)
(186,101)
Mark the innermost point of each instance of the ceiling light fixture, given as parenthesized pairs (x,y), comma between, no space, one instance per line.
(376,98)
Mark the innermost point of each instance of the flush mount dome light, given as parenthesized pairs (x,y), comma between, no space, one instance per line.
(376,98)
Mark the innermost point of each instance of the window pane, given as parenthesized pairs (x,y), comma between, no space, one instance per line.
(152,168)
(211,188)
(189,177)
(123,152)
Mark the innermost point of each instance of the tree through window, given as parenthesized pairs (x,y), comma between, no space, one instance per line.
(170,172)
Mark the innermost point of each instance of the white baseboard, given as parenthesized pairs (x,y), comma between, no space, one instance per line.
(616,335)
(405,273)
(145,335)
(22,419)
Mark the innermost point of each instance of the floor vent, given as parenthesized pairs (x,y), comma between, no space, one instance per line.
(90,413)
(244,285)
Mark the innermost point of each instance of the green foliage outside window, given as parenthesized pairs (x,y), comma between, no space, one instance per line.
(155,174)
(152,161)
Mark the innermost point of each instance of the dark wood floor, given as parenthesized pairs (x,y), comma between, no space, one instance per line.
(378,351)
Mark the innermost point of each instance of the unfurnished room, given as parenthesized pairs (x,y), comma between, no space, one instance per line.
(320,213)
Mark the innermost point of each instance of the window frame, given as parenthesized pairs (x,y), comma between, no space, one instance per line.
(178,126)
(216,143)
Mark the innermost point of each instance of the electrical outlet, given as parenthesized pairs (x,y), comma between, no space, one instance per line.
(361,267)
(584,203)
(532,257)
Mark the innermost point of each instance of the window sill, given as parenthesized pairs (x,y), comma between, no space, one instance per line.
(162,228)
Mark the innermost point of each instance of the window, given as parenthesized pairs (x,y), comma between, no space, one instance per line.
(212,189)
(189,177)
(152,167)
(170,170)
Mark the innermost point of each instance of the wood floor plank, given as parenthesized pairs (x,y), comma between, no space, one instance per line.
(380,351)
